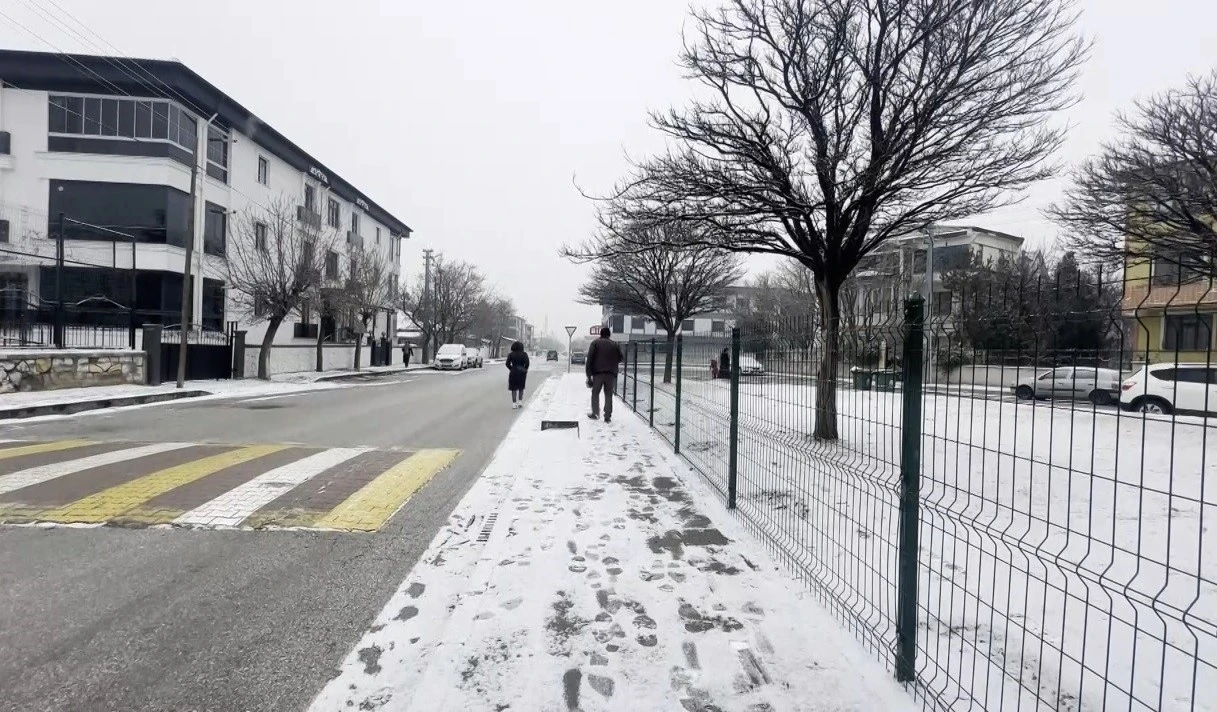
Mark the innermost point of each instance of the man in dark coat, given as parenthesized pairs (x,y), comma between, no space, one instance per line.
(603,358)
(724,364)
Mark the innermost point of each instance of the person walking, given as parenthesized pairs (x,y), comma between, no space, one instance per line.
(517,367)
(603,359)
(724,364)
(405,354)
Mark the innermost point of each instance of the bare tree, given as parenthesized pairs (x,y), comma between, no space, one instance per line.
(275,262)
(493,319)
(1152,191)
(645,274)
(834,125)
(446,311)
(371,288)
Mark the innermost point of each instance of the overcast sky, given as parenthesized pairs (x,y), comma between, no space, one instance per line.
(472,120)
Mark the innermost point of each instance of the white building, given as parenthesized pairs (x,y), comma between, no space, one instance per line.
(108,143)
(717,323)
(908,263)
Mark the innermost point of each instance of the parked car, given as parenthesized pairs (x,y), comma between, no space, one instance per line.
(551,356)
(1169,387)
(1100,386)
(578,357)
(749,366)
(473,357)
(450,357)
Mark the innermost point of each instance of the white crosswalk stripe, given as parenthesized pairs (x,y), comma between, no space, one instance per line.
(235,505)
(44,473)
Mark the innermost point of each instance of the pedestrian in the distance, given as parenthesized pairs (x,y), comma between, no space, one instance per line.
(604,357)
(405,354)
(724,364)
(517,367)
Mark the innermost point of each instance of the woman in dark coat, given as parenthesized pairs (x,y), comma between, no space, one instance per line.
(517,367)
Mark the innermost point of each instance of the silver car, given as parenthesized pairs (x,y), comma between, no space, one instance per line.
(1100,386)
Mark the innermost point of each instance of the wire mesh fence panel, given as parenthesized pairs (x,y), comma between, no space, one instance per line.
(1063,479)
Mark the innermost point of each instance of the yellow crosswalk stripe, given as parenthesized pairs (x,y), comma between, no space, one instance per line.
(373,504)
(121,499)
(41,448)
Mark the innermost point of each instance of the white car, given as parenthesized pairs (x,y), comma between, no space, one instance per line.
(749,366)
(1100,386)
(1169,387)
(450,357)
(473,357)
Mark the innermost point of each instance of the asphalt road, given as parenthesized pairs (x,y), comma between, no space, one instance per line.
(190,620)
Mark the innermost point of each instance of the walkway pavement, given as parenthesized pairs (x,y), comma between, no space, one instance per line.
(590,569)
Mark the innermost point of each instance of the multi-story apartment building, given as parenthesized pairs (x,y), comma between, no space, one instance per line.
(109,144)
(1169,309)
(717,323)
(909,262)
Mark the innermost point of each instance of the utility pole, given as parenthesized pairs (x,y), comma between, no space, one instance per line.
(426,299)
(187,292)
(59,257)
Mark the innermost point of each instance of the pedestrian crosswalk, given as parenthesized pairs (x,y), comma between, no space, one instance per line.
(198,485)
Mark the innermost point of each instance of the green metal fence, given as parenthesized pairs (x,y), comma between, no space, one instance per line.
(997,550)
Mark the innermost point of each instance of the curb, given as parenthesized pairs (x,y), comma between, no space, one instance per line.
(82,406)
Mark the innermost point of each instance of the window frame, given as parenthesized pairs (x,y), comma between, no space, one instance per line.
(1171,337)
(263,170)
(333,213)
(261,236)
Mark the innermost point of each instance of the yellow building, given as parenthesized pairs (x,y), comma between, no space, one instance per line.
(1170,309)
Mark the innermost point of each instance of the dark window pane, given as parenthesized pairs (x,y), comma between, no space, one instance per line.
(217,146)
(1164,374)
(687,325)
(126,119)
(160,119)
(188,134)
(109,117)
(92,125)
(215,229)
(175,122)
(143,119)
(1188,332)
(75,107)
(618,325)
(151,213)
(58,116)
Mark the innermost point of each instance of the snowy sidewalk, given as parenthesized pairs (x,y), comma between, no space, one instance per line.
(597,572)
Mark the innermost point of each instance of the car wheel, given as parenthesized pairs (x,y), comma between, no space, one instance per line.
(1024,393)
(1154,405)
(1100,397)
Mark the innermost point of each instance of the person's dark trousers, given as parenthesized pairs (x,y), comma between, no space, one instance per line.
(608,383)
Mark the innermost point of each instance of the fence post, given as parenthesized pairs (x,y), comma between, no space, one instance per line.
(910,490)
(733,452)
(680,349)
(651,403)
(634,397)
(58,329)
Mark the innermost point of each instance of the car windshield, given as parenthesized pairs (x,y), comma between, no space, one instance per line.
(578,354)
(450,350)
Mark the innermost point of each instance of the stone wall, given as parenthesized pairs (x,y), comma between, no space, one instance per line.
(28,370)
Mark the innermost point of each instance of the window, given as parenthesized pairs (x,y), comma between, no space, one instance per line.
(217,154)
(334,213)
(1168,268)
(310,198)
(92,126)
(687,326)
(127,118)
(718,326)
(331,265)
(260,236)
(617,324)
(215,229)
(919,261)
(953,257)
(263,170)
(1196,375)
(378,236)
(1187,332)
(354,222)
(354,266)
(261,307)
(151,213)
(942,303)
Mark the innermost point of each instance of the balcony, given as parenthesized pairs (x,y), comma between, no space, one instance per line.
(354,239)
(308,217)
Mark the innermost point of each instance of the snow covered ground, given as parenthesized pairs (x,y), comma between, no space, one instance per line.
(592,570)
(1066,556)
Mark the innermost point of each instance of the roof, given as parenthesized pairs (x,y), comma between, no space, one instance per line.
(170,79)
(947,230)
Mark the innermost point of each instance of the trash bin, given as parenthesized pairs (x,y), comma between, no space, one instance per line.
(861,379)
(885,380)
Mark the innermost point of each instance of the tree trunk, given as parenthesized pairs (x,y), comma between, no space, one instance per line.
(264,353)
(829,293)
(669,350)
